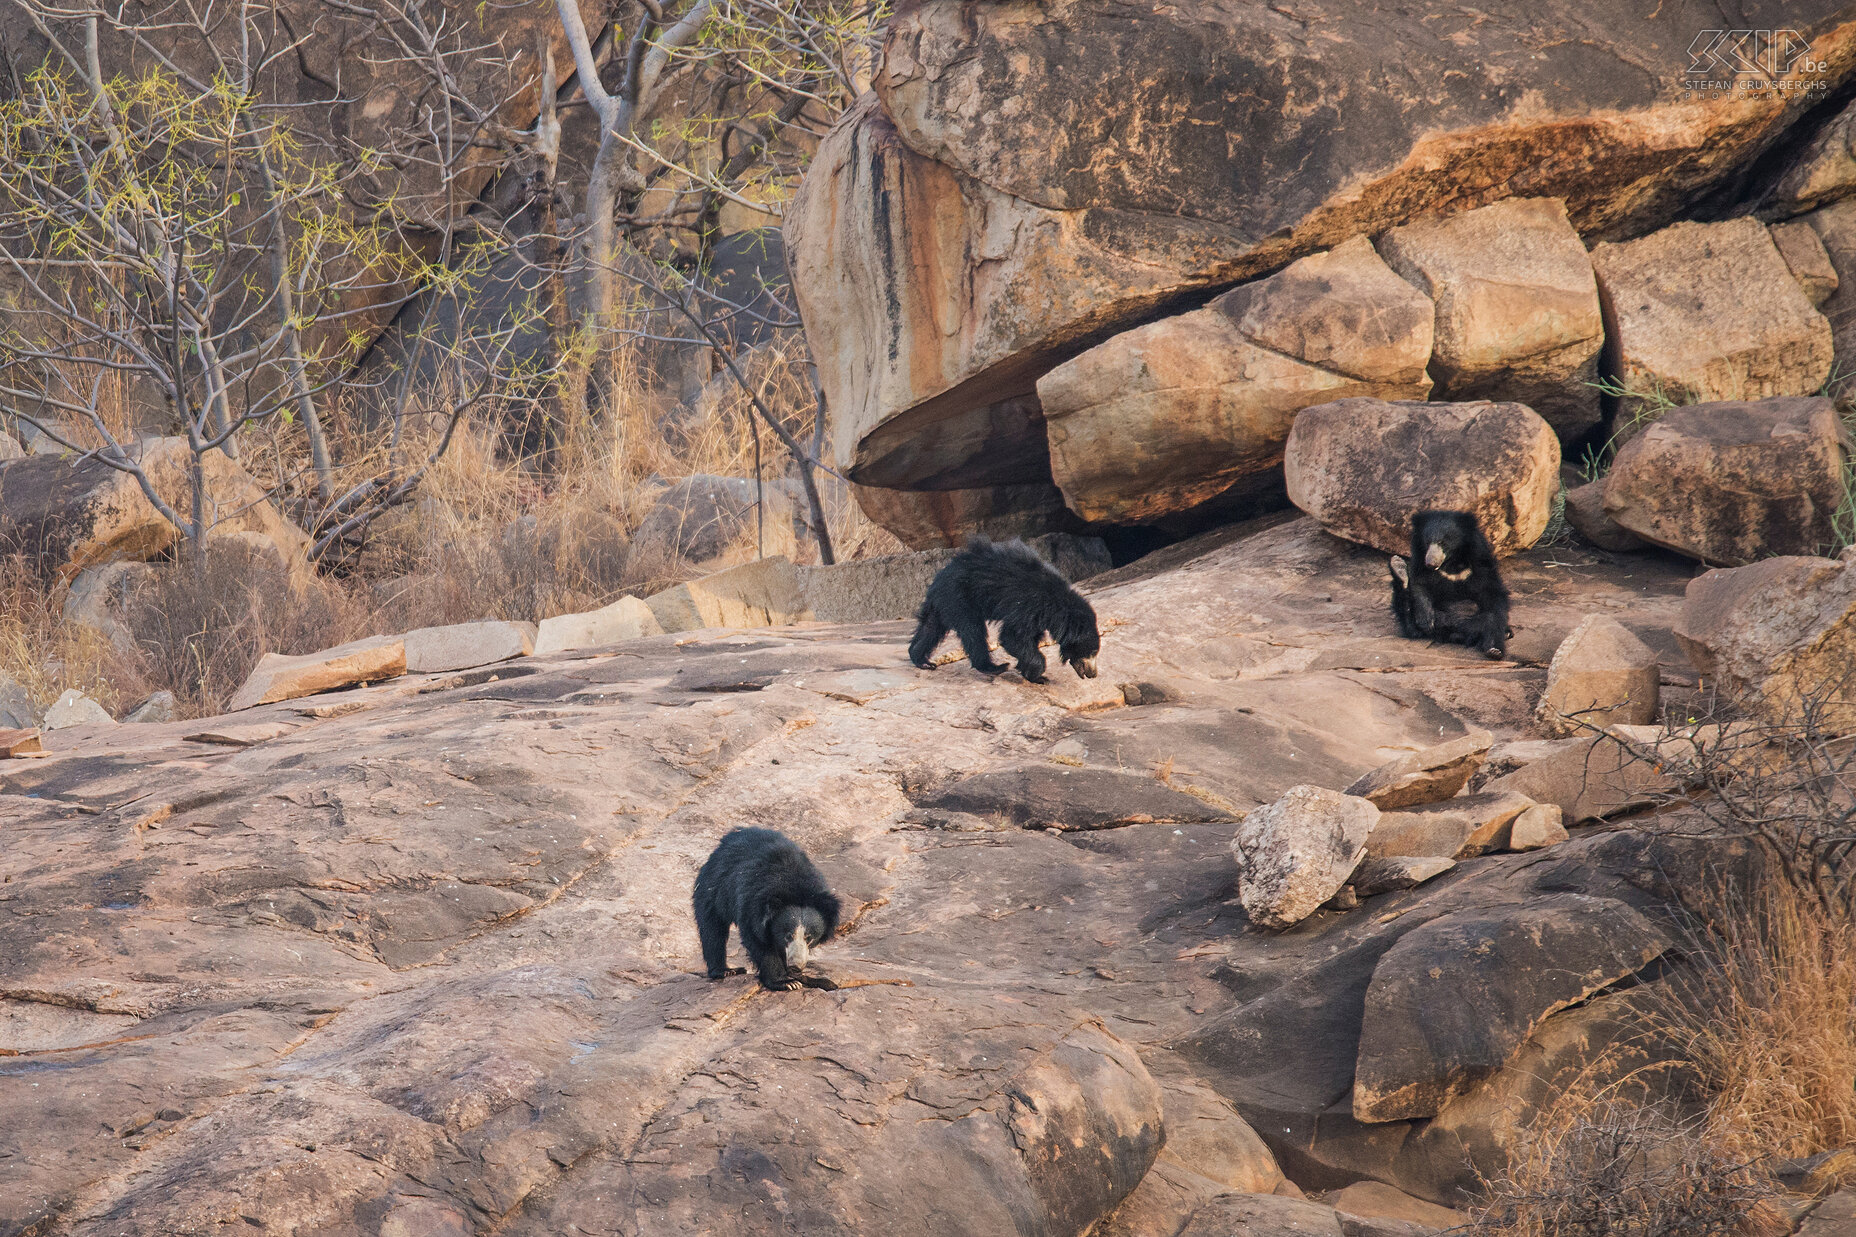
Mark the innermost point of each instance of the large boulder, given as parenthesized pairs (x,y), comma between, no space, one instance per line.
(1363,467)
(1601,675)
(1296,853)
(1452,1000)
(977,219)
(1517,307)
(1729,483)
(1168,416)
(1779,634)
(700,519)
(72,514)
(1808,260)
(1706,311)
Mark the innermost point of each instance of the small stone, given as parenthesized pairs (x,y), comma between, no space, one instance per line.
(1427,776)
(17,712)
(158,707)
(1069,750)
(1296,853)
(1585,511)
(1808,260)
(1539,826)
(74,708)
(1601,675)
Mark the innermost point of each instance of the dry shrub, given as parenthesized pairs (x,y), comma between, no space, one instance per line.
(1604,1164)
(200,632)
(1767,1017)
(41,651)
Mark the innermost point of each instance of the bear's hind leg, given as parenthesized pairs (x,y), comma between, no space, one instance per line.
(928,632)
(713,929)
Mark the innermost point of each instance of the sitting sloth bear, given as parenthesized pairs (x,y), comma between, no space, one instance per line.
(762,883)
(1452,564)
(1011,585)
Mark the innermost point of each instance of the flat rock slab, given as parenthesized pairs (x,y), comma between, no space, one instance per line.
(285,678)
(1589,778)
(464,646)
(1263,1215)
(1453,999)
(1456,828)
(763,593)
(628,618)
(247,735)
(1389,873)
(19,741)
(1054,796)
(1427,776)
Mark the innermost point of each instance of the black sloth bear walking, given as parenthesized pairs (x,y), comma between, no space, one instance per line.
(761,882)
(1011,585)
(1451,564)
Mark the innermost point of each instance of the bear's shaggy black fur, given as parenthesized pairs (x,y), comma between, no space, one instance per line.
(1010,584)
(762,883)
(1451,563)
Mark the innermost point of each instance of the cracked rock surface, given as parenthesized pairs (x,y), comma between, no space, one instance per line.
(425,963)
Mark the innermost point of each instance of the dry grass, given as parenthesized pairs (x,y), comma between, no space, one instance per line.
(487,536)
(1603,1163)
(1768,1020)
(41,652)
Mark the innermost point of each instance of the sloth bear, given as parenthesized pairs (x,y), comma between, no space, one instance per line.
(1452,563)
(1011,584)
(761,882)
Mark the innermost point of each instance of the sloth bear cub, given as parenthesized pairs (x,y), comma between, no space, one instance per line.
(1452,564)
(761,882)
(1011,584)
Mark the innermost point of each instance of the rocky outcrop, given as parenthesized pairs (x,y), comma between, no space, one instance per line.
(1781,634)
(417,956)
(1729,483)
(1296,853)
(1169,416)
(1701,312)
(976,220)
(1835,226)
(1364,467)
(1601,675)
(1517,307)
